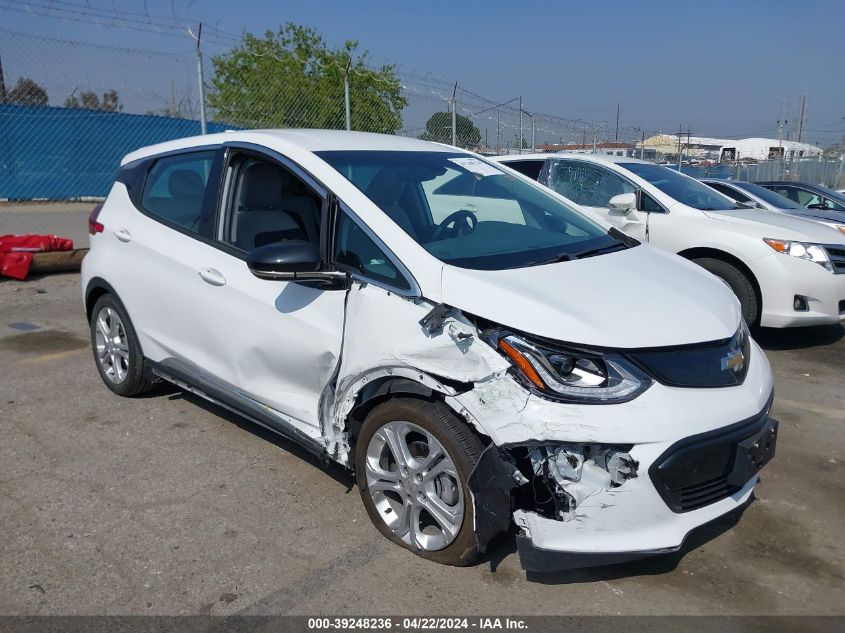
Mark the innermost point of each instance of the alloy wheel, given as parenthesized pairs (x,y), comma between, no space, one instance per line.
(112,345)
(414,485)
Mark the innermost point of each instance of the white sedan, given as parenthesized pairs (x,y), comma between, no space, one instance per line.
(786,271)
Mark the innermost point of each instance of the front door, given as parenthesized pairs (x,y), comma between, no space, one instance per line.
(592,186)
(277,343)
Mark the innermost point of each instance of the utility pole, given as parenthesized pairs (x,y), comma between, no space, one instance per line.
(642,147)
(2,84)
(346,105)
(801,118)
(498,132)
(616,136)
(781,125)
(680,144)
(455,115)
(584,139)
(520,124)
(533,131)
(595,135)
(201,80)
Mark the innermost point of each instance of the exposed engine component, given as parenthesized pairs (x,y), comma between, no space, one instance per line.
(570,473)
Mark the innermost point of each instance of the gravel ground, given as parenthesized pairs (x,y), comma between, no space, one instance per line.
(168,505)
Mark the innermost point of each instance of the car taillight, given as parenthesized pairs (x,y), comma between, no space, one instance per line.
(95,227)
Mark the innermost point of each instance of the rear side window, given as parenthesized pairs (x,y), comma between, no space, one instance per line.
(530,168)
(729,192)
(177,191)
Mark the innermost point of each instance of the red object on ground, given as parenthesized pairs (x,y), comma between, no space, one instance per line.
(16,251)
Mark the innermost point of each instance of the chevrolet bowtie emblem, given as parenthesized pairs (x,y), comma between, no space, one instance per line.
(733,361)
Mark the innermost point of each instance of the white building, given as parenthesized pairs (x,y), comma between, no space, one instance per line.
(722,149)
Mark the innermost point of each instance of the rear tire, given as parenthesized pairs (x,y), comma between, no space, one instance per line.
(117,352)
(738,282)
(401,491)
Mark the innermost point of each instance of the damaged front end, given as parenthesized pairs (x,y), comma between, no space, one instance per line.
(549,479)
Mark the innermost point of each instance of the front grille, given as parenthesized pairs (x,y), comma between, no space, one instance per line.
(837,257)
(706,468)
(715,364)
(699,495)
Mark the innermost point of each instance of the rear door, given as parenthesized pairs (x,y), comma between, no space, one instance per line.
(159,249)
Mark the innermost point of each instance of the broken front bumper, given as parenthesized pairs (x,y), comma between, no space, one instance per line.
(694,463)
(687,485)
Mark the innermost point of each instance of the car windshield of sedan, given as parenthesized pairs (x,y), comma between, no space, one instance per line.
(471,213)
(682,188)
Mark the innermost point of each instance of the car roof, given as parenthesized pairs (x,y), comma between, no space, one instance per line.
(594,158)
(302,139)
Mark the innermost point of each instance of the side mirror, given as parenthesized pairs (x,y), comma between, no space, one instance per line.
(623,203)
(292,260)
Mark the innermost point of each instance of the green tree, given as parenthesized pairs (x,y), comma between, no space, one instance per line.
(88,100)
(292,79)
(439,128)
(27,92)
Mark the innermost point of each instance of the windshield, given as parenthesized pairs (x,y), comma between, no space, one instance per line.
(767,195)
(470,213)
(830,193)
(682,188)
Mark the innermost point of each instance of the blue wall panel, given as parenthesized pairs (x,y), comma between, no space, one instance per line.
(61,153)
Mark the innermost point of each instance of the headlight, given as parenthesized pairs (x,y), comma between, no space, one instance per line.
(572,375)
(811,252)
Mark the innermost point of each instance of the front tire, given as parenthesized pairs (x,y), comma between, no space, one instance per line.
(117,351)
(738,283)
(413,460)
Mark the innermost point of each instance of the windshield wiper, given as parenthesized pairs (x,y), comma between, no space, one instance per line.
(590,252)
(563,257)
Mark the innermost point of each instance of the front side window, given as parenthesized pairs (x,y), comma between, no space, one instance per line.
(803,197)
(768,196)
(684,189)
(269,204)
(468,212)
(177,191)
(357,252)
(586,184)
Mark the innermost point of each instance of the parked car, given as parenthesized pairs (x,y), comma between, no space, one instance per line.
(511,360)
(807,195)
(785,271)
(754,195)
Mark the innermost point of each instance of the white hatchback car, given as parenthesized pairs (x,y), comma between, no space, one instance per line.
(786,271)
(473,371)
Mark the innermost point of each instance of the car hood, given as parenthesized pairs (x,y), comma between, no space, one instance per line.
(824,215)
(639,297)
(780,225)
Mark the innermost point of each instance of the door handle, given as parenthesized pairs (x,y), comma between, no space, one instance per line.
(123,235)
(213,277)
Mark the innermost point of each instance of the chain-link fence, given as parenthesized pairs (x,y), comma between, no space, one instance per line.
(70,110)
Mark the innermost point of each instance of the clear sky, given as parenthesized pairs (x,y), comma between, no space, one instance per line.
(723,67)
